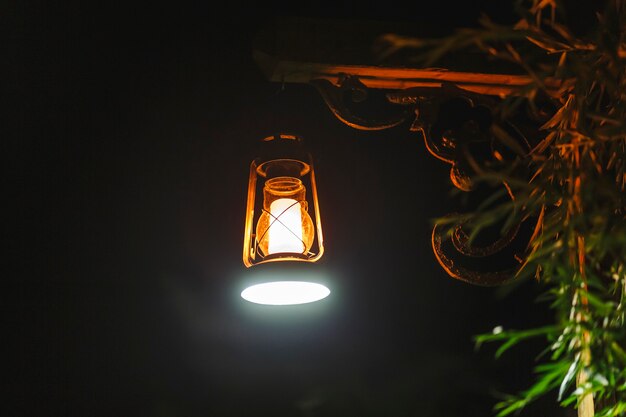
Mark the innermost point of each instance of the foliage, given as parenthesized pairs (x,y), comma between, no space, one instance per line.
(572,183)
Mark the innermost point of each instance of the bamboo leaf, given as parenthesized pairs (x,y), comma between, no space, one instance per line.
(569,377)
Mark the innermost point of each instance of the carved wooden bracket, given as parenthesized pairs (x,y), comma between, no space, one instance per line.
(453,112)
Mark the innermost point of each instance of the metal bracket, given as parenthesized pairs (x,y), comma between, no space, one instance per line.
(335,97)
(457,128)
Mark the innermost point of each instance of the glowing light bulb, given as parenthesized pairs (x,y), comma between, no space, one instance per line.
(285,232)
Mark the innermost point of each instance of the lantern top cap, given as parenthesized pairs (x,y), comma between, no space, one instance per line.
(278,149)
(280,136)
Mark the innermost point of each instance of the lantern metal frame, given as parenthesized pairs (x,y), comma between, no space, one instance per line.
(293,154)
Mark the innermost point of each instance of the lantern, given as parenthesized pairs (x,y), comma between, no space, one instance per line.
(283,229)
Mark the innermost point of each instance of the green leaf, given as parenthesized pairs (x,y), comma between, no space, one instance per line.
(569,377)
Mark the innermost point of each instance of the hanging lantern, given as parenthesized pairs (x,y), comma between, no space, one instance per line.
(283,230)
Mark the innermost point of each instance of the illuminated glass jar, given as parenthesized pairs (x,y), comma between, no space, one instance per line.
(285,225)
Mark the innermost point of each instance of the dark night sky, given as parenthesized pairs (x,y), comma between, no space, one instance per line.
(131,132)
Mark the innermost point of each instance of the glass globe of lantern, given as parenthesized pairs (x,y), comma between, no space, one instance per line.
(283,231)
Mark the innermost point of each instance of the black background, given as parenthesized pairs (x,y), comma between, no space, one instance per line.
(131,128)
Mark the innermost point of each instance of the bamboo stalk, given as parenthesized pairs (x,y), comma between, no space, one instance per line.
(586,405)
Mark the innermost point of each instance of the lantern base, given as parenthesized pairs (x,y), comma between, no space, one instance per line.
(285,283)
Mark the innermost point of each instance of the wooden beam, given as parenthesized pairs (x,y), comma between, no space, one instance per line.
(392,78)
